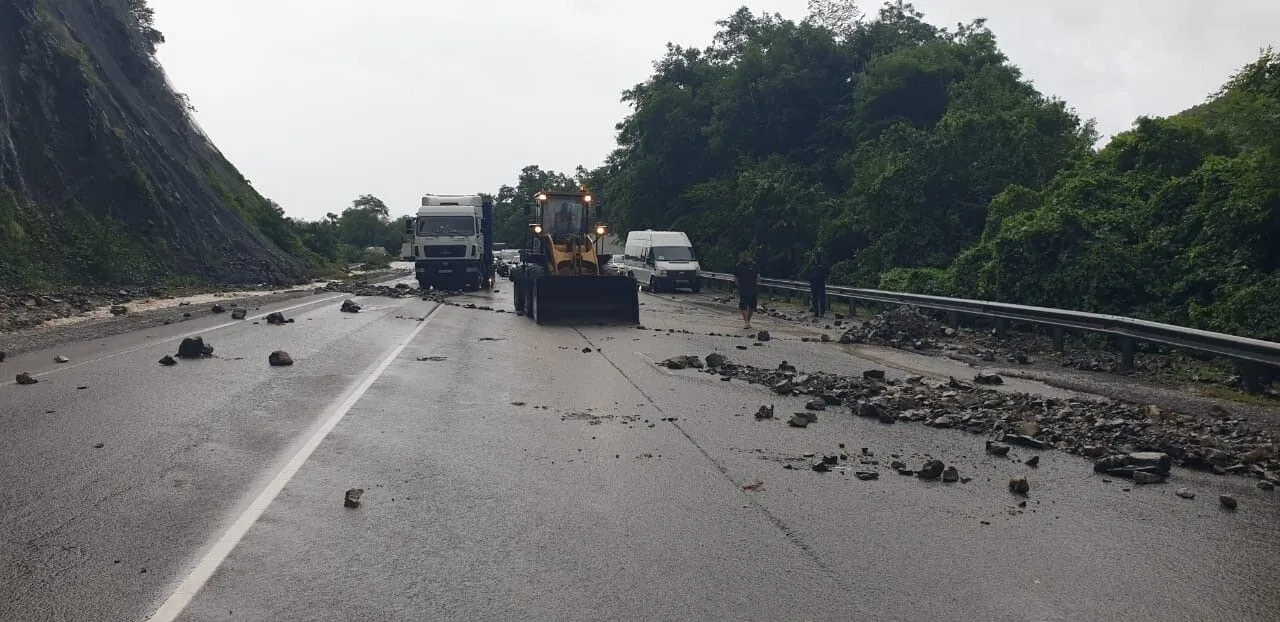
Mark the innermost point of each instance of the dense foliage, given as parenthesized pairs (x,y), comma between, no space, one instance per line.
(918,158)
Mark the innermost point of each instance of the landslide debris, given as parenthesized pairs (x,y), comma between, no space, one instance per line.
(1096,429)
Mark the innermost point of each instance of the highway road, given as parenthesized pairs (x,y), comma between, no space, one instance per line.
(521,472)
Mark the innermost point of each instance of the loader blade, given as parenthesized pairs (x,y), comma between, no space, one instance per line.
(586,299)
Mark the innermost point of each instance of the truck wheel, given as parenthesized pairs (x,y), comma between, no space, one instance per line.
(519,297)
(697,287)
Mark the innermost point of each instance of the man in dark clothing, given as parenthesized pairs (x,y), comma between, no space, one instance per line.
(818,273)
(747,276)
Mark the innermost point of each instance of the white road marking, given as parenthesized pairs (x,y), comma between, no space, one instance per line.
(172,339)
(182,596)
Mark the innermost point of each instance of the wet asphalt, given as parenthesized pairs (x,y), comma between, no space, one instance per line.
(522,478)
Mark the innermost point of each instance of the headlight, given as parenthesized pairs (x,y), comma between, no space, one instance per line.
(662,273)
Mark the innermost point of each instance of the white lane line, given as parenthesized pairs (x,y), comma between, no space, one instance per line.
(178,601)
(172,339)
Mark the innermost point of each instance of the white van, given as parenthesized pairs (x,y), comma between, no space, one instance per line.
(662,260)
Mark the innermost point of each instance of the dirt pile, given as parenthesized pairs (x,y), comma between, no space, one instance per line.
(902,327)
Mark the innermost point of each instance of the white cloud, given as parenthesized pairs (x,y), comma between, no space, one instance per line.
(319,101)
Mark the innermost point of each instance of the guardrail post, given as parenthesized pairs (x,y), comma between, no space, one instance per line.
(1001,329)
(953,319)
(1126,352)
(853,308)
(1059,339)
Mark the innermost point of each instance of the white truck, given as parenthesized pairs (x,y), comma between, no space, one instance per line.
(452,243)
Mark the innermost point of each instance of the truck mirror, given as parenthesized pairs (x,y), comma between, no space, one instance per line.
(408,226)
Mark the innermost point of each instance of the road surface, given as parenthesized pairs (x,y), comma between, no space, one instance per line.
(521,472)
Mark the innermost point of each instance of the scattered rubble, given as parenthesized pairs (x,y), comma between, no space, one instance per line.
(765,412)
(61,359)
(25,378)
(351,498)
(279,358)
(901,327)
(168,361)
(218,309)
(1227,501)
(1186,493)
(368,290)
(950,474)
(239,313)
(932,469)
(683,362)
(349,306)
(119,310)
(1091,428)
(277,318)
(1019,485)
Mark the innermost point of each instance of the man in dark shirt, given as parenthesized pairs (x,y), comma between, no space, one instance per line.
(818,272)
(747,276)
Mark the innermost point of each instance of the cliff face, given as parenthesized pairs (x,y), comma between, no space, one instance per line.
(103,176)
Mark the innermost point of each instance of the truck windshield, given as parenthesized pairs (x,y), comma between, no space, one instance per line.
(673,253)
(446,225)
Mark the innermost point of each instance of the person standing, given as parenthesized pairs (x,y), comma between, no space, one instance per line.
(818,273)
(747,276)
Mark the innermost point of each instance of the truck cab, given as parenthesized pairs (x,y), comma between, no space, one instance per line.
(452,242)
(662,260)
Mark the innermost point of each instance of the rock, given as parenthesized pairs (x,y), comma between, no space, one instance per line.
(1186,493)
(997,449)
(61,359)
(785,366)
(987,379)
(352,498)
(845,339)
(765,412)
(119,310)
(1093,451)
(683,362)
(1161,462)
(1029,428)
(987,355)
(763,336)
(1227,501)
(218,309)
(783,388)
(872,410)
(801,420)
(827,339)
(2,356)
(866,475)
(276,318)
(194,348)
(279,358)
(932,469)
(817,404)
(586,350)
(25,378)
(873,374)
(715,360)
(950,474)
(168,361)
(1142,477)
(239,314)
(349,306)
(1265,485)
(897,465)
(1019,485)
(1033,461)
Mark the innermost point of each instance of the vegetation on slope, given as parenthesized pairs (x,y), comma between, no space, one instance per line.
(918,158)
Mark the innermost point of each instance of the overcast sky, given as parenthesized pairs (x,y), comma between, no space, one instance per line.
(319,101)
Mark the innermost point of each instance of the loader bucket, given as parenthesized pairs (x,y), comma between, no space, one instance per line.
(586,299)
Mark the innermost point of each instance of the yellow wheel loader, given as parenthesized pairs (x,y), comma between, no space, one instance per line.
(561,275)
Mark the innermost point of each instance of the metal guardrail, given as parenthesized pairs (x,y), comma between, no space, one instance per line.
(1249,354)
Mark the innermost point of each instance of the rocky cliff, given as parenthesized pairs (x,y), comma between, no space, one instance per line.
(104,178)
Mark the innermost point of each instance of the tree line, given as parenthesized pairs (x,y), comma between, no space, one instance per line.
(918,158)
